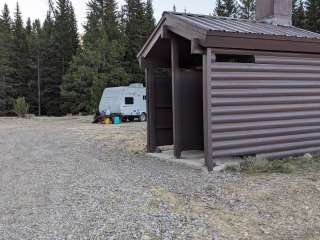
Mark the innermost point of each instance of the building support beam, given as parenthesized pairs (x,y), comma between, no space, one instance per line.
(196,46)
(176,98)
(165,33)
(151,103)
(208,60)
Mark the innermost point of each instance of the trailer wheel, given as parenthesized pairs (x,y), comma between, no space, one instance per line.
(143,117)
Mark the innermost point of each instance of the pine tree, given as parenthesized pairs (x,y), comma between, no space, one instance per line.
(110,19)
(231,7)
(28,27)
(50,69)
(219,10)
(312,15)
(102,17)
(133,22)
(66,33)
(5,17)
(33,37)
(136,31)
(3,65)
(6,71)
(149,18)
(298,15)
(52,61)
(99,64)
(226,8)
(75,43)
(77,88)
(247,9)
(20,57)
(59,43)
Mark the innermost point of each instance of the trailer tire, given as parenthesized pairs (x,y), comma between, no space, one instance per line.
(143,117)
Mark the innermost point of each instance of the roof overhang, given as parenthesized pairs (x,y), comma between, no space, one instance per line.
(205,38)
(168,25)
(154,37)
(261,42)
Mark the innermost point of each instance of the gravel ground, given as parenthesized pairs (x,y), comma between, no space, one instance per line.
(64,178)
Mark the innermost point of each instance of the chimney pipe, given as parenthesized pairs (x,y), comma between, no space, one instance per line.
(276,12)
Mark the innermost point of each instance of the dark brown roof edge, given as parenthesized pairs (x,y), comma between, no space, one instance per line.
(236,40)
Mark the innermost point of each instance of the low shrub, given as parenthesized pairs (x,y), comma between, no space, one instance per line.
(21,107)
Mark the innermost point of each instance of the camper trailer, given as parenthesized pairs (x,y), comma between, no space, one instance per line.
(128,102)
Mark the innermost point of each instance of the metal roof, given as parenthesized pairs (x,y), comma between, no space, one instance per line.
(232,25)
(205,31)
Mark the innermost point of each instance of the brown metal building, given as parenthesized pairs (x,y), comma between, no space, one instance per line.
(233,87)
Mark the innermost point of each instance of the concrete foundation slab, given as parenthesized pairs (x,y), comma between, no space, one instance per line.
(194,159)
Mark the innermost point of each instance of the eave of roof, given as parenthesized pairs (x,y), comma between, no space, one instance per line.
(234,33)
(154,36)
(233,25)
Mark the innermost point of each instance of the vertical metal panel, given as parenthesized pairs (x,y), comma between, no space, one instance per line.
(268,109)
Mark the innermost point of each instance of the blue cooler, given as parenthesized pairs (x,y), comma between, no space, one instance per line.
(116,120)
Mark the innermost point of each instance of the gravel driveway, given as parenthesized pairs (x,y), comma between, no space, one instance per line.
(64,178)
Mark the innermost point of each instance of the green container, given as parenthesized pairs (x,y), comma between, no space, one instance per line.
(116,120)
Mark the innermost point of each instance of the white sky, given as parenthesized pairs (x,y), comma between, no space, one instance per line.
(38,8)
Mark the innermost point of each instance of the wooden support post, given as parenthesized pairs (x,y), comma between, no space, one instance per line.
(207,110)
(151,106)
(176,98)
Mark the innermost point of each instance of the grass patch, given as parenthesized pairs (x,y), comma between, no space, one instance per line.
(232,168)
(253,166)
(284,166)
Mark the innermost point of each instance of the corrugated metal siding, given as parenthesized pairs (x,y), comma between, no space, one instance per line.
(223,24)
(269,109)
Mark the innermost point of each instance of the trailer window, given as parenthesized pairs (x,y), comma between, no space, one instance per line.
(129,100)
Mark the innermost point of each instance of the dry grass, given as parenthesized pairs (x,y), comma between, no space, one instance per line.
(284,166)
(257,208)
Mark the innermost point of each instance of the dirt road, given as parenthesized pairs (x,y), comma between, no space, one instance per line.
(64,178)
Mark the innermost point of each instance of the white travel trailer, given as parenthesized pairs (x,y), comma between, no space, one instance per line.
(127,102)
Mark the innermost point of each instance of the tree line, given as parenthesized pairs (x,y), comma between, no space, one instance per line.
(306,13)
(71,70)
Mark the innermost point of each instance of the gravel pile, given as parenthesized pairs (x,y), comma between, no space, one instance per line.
(64,178)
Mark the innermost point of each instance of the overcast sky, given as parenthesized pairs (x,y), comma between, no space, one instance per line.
(38,8)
